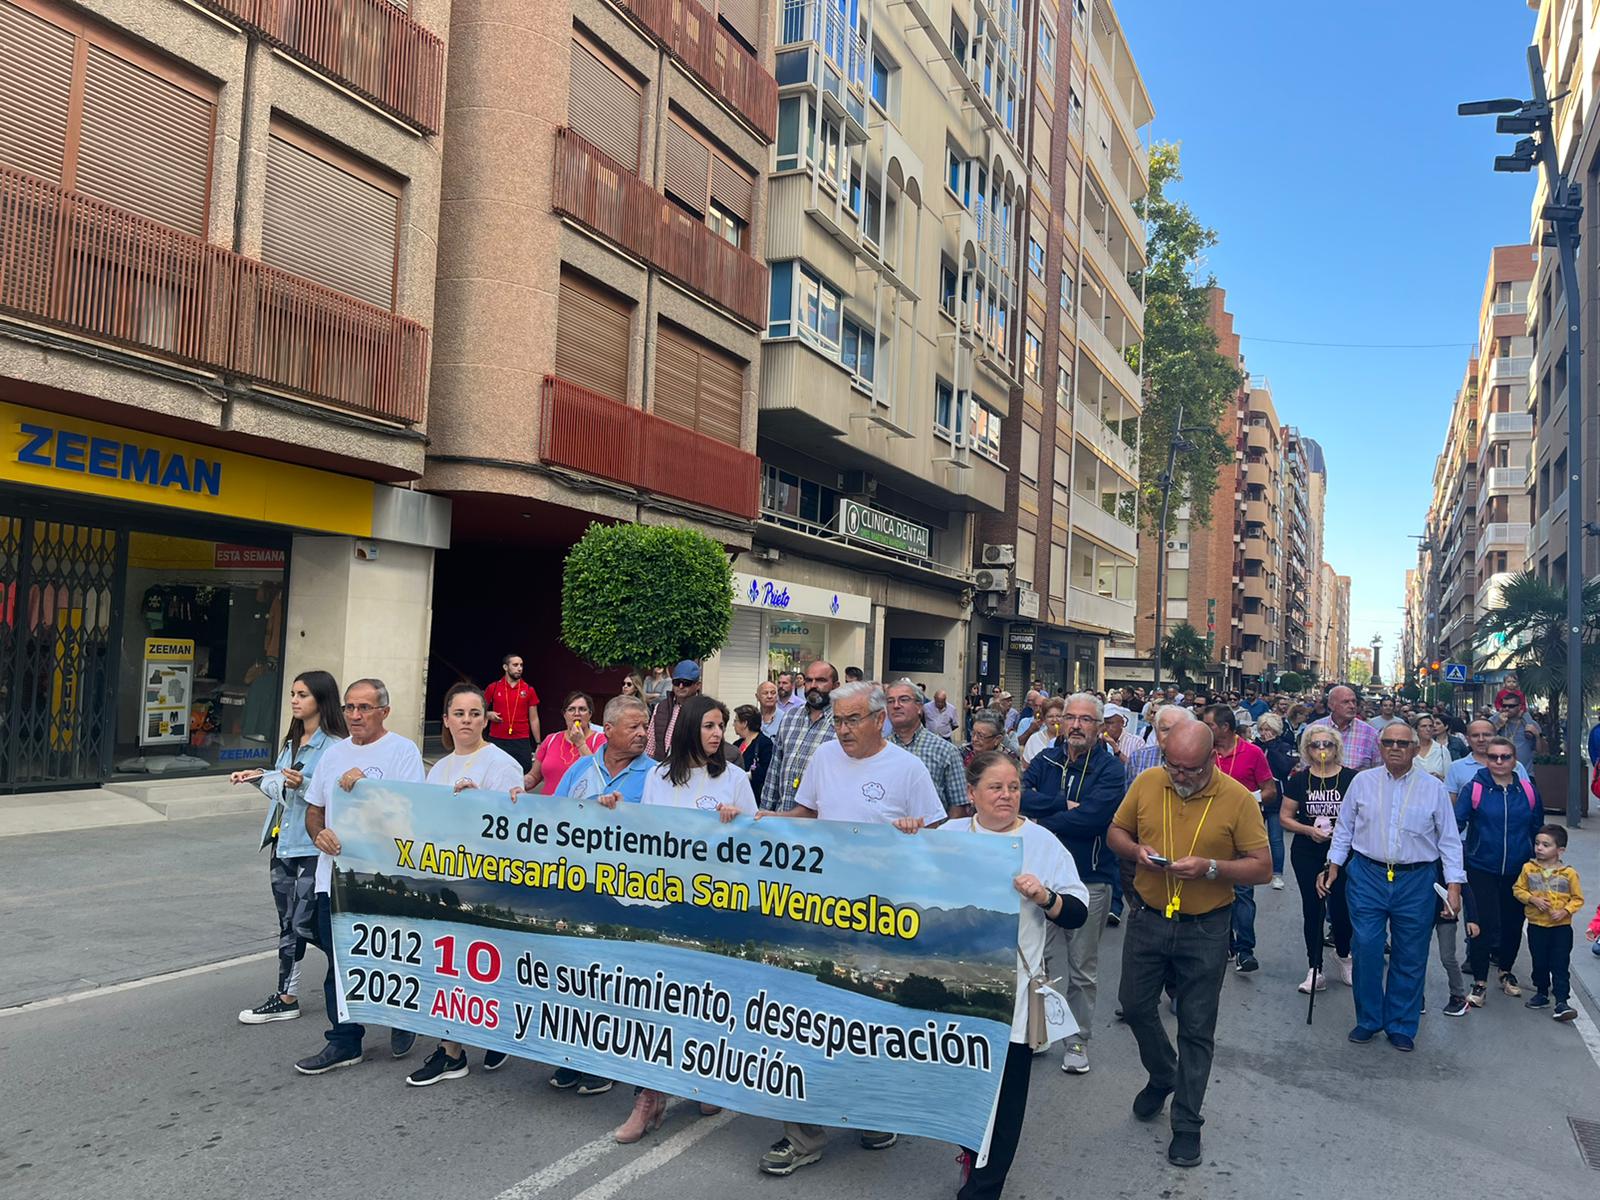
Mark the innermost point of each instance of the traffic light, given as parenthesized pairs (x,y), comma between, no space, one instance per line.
(1435,664)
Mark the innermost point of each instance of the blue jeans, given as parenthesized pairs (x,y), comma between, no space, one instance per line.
(1402,913)
(346,1035)
(1242,938)
(1274,818)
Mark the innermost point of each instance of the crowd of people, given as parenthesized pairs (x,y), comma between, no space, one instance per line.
(1160,813)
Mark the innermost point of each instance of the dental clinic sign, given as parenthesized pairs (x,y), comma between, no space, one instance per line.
(884,530)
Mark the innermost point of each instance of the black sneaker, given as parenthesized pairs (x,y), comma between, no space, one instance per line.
(1113,919)
(564,1078)
(1148,1103)
(273,1008)
(1185,1149)
(1509,984)
(878,1141)
(1537,1000)
(329,1058)
(400,1042)
(1476,995)
(593,1085)
(1564,1011)
(438,1065)
(493,1060)
(785,1158)
(1247,964)
(1457,1007)
(1361,1035)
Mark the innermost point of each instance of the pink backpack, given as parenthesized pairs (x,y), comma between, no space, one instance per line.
(1527,788)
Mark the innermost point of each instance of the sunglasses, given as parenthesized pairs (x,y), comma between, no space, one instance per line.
(1500,757)
(1321,745)
(684,682)
(1395,743)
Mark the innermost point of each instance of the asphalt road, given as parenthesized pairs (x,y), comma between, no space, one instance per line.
(153,1089)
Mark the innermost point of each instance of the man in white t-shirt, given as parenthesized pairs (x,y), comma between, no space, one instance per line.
(370,752)
(857,777)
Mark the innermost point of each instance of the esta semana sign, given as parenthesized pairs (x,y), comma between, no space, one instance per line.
(772,967)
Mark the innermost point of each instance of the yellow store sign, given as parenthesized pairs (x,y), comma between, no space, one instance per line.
(48,450)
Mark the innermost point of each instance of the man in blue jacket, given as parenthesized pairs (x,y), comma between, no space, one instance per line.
(1073,788)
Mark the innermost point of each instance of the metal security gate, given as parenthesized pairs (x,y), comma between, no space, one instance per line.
(60,605)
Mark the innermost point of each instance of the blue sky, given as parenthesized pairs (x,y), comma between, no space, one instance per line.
(1352,206)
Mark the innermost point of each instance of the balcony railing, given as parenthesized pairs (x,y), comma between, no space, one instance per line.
(82,265)
(596,190)
(587,432)
(372,47)
(693,36)
(1505,479)
(1504,533)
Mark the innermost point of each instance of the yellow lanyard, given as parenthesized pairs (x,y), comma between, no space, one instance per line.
(1396,828)
(1175,893)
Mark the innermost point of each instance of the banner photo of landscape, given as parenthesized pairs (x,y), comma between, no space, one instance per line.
(815,971)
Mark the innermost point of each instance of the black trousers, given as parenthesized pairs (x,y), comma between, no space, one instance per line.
(986,1182)
(346,1035)
(520,749)
(1551,948)
(1500,918)
(1308,864)
(1194,954)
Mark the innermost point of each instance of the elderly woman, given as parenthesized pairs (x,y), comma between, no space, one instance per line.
(1310,808)
(1045,730)
(577,739)
(1052,893)
(1283,758)
(988,733)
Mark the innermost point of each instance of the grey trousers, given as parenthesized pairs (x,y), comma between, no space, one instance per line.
(1444,932)
(1195,953)
(1075,954)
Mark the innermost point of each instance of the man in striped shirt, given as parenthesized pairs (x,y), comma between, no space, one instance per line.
(799,735)
(942,759)
(1360,738)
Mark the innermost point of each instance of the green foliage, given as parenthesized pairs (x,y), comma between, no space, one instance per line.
(1182,367)
(1360,673)
(1292,681)
(1183,654)
(645,595)
(1411,692)
(1528,634)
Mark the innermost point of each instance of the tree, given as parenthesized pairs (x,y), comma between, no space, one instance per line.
(448,898)
(644,595)
(1182,366)
(1292,681)
(1360,672)
(1184,653)
(1527,633)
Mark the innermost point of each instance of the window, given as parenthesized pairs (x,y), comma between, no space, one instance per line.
(1027,553)
(1063,473)
(1177,583)
(881,71)
(1030,354)
(593,330)
(958,39)
(697,385)
(1063,385)
(983,425)
(726,226)
(857,351)
(1075,110)
(854,198)
(872,217)
(603,103)
(789,133)
(707,182)
(1036,258)
(780,309)
(1028,463)
(1069,287)
(1047,51)
(946,413)
(947,286)
(818,310)
(955,175)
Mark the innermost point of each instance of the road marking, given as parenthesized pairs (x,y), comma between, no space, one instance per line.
(112,989)
(585,1156)
(1585,1022)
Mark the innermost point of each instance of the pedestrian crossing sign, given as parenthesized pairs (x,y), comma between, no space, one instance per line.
(1455,672)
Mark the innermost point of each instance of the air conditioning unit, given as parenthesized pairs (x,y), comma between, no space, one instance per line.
(999,556)
(992,581)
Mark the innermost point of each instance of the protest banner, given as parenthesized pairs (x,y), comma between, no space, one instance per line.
(816,971)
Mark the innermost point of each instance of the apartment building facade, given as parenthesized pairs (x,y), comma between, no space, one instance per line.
(217,229)
(602,295)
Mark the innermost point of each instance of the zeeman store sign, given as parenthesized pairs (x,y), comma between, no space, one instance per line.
(49,450)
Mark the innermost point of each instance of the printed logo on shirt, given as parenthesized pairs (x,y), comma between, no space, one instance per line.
(706,803)
(1323,802)
(372,772)
(580,789)
(873,791)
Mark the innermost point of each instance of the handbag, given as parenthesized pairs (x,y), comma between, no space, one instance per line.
(1594,782)
(1049,1017)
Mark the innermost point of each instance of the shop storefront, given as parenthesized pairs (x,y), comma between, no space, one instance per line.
(144,588)
(780,625)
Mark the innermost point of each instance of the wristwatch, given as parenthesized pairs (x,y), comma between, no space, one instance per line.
(1211,871)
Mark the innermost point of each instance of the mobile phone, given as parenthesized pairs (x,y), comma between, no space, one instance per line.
(1161,860)
(299,766)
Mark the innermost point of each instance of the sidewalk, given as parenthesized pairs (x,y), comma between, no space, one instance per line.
(134,802)
(1583,855)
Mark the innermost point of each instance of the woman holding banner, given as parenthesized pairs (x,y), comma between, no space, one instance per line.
(1053,892)
(472,763)
(696,775)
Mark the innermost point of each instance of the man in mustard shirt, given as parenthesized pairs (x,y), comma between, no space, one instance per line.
(1193,834)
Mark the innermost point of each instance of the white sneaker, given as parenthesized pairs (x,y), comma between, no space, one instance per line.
(1346,971)
(1277,883)
(1313,978)
(1076,1060)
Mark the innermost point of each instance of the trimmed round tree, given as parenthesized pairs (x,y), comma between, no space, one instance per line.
(645,596)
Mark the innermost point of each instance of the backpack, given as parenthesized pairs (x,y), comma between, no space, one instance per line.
(1527,788)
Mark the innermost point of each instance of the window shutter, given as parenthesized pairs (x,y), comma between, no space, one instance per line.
(698,387)
(35,88)
(327,224)
(721,398)
(732,189)
(676,378)
(145,143)
(743,16)
(603,107)
(592,337)
(688,166)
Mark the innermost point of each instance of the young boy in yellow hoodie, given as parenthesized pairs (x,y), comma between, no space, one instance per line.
(1550,895)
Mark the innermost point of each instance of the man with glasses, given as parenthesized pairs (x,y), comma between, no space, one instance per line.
(942,760)
(1360,738)
(797,739)
(1072,788)
(988,733)
(1463,770)
(370,752)
(860,778)
(1194,834)
(1512,721)
(1395,828)
(686,685)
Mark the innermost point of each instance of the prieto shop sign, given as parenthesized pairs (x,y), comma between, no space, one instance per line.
(885,530)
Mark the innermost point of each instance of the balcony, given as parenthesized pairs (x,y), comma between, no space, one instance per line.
(1502,426)
(1257,436)
(1505,481)
(1104,439)
(1257,473)
(715,57)
(586,432)
(372,47)
(1088,516)
(1503,372)
(1256,512)
(594,190)
(1092,611)
(95,270)
(1506,535)
(1255,587)
(1115,275)
(1093,341)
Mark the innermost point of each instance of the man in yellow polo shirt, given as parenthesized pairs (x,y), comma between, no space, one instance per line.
(1193,834)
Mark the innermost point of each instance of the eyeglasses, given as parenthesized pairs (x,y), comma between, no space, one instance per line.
(1079,719)
(684,682)
(363,709)
(1322,745)
(1395,743)
(849,722)
(1500,757)
(1174,769)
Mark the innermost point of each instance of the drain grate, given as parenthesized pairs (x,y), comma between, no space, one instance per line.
(1588,1135)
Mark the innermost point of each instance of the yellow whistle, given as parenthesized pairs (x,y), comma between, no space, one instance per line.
(1172,907)
(1391,874)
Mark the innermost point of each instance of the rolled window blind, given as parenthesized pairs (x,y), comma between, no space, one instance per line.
(602,107)
(35,89)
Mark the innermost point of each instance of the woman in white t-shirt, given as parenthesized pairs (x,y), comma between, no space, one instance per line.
(696,775)
(471,763)
(1051,891)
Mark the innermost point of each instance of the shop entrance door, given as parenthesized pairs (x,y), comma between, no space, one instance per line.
(59,600)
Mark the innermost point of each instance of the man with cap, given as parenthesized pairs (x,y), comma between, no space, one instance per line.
(1511,720)
(1118,732)
(685,686)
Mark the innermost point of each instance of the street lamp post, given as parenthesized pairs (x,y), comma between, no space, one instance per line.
(1178,442)
(1563,209)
